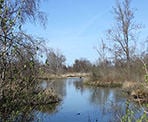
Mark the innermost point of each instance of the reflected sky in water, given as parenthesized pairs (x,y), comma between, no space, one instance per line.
(81,103)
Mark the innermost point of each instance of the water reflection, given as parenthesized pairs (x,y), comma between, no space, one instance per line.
(79,103)
(58,85)
(82,103)
(79,85)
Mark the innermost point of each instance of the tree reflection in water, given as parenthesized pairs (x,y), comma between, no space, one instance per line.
(59,85)
(79,103)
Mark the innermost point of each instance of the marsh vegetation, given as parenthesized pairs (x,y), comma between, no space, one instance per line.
(29,91)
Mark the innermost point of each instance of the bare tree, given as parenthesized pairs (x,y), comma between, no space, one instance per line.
(13,13)
(102,51)
(18,70)
(55,61)
(82,65)
(22,10)
(123,34)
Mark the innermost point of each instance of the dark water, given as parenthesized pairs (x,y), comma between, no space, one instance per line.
(83,104)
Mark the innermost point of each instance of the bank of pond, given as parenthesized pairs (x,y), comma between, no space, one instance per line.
(78,102)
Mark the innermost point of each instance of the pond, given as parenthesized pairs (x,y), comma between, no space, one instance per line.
(81,103)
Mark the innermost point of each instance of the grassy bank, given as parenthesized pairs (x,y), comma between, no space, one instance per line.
(136,91)
(103,84)
(15,102)
(48,76)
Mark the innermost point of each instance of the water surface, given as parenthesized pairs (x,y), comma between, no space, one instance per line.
(81,103)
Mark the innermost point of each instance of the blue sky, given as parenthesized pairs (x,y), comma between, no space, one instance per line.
(76,26)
